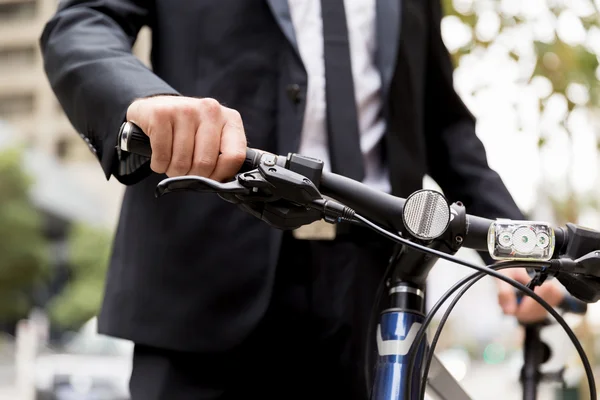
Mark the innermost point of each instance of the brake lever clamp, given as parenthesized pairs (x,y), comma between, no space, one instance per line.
(282,198)
(259,188)
(272,183)
(290,185)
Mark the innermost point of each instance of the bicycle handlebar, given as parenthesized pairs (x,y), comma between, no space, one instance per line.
(380,207)
(574,247)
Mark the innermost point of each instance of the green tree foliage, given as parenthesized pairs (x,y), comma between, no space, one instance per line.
(23,248)
(563,63)
(89,252)
(566,57)
(25,256)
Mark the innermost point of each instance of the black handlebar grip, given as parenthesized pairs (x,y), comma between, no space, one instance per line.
(252,158)
(132,139)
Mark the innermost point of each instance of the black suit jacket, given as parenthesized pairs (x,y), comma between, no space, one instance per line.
(190,271)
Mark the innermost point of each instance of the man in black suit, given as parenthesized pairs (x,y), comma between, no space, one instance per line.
(218,304)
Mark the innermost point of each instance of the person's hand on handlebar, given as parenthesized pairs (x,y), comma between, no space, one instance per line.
(528,310)
(191,136)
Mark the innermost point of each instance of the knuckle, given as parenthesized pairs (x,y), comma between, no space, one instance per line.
(158,130)
(211,108)
(235,116)
(188,110)
(162,113)
(234,120)
(135,109)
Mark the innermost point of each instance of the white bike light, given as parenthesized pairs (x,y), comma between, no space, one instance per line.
(521,240)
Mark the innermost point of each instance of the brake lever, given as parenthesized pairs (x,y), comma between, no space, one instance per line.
(199,184)
(282,198)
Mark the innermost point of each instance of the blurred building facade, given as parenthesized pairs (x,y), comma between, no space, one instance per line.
(28,104)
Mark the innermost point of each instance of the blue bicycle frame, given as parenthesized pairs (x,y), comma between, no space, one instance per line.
(395,335)
(400,320)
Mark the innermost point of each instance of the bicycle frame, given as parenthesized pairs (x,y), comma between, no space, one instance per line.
(395,336)
(399,322)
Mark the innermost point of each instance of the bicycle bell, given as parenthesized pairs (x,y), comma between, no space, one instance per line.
(426,214)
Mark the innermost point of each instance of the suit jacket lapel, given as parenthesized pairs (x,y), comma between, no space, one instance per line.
(388,21)
(281,11)
(388,24)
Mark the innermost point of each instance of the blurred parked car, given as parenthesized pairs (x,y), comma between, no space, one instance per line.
(89,367)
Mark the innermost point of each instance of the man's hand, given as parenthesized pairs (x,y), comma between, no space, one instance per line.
(191,136)
(529,310)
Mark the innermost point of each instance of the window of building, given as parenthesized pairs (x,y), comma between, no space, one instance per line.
(16,105)
(15,10)
(13,58)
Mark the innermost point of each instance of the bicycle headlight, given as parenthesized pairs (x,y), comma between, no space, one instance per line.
(521,240)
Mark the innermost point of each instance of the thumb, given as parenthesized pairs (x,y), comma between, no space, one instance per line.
(507,298)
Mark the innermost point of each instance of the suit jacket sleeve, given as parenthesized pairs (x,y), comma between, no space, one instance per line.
(457,160)
(87,54)
(456,157)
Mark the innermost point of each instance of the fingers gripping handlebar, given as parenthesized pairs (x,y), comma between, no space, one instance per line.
(132,139)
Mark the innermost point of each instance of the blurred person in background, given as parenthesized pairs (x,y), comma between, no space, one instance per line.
(214,299)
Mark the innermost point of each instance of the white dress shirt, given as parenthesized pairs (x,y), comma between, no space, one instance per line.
(308,26)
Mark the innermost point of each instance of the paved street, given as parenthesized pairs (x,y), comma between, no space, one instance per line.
(7,372)
(7,379)
(8,394)
(482,382)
